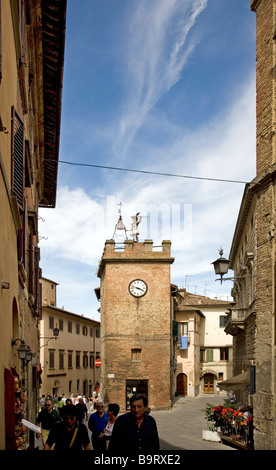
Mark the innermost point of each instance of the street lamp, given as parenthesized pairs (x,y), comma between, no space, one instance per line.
(55,331)
(24,352)
(221,265)
(55,336)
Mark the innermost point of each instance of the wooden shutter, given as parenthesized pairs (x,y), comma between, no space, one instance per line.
(37,285)
(17,158)
(209,355)
(23,235)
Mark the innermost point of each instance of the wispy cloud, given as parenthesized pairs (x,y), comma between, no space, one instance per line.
(224,147)
(157,49)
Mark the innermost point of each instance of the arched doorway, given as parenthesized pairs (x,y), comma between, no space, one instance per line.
(56,390)
(182,384)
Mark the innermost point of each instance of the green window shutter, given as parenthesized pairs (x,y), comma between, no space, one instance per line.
(209,355)
(175,328)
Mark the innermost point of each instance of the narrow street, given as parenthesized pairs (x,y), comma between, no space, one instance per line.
(181,427)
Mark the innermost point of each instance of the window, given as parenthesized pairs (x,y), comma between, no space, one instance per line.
(183,329)
(70,359)
(136,355)
(84,330)
(61,359)
(85,360)
(222,321)
(60,325)
(91,361)
(77,328)
(97,332)
(183,335)
(206,355)
(224,354)
(77,359)
(51,359)
(70,329)
(91,332)
(51,323)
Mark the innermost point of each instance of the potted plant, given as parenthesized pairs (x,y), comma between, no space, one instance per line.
(211,415)
(239,418)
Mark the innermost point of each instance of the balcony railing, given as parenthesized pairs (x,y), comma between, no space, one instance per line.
(235,321)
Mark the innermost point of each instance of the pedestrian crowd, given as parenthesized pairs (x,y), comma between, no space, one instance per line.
(64,424)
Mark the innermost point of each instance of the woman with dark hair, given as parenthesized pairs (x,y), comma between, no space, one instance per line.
(112,411)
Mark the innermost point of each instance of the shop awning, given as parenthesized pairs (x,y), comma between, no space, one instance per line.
(238,382)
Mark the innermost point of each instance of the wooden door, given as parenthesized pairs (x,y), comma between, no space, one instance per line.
(208,383)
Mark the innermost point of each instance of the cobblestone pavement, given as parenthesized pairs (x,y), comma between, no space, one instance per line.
(181,427)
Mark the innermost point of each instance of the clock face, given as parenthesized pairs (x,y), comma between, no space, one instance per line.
(138,288)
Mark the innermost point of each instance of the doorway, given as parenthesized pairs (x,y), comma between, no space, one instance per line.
(182,384)
(56,389)
(135,386)
(85,388)
(208,383)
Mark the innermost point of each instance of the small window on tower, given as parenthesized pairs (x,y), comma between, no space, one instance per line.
(136,355)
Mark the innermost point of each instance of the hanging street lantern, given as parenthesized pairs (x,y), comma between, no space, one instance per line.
(221,265)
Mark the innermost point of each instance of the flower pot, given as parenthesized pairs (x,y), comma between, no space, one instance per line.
(211,436)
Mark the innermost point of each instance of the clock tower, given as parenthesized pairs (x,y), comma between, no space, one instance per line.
(136,322)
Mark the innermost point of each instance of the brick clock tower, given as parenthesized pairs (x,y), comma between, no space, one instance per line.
(136,322)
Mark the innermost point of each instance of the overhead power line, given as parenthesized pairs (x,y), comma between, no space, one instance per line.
(105,167)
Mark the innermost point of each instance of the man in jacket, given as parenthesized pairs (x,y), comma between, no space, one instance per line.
(136,431)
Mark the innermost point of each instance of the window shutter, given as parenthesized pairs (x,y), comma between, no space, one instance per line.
(175,328)
(23,236)
(17,158)
(31,265)
(209,355)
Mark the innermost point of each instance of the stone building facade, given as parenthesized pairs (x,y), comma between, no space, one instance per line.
(252,256)
(136,322)
(203,351)
(32,37)
(67,360)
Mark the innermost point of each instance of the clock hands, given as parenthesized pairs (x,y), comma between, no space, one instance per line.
(138,288)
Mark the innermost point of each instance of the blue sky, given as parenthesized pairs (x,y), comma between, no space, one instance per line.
(163,86)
